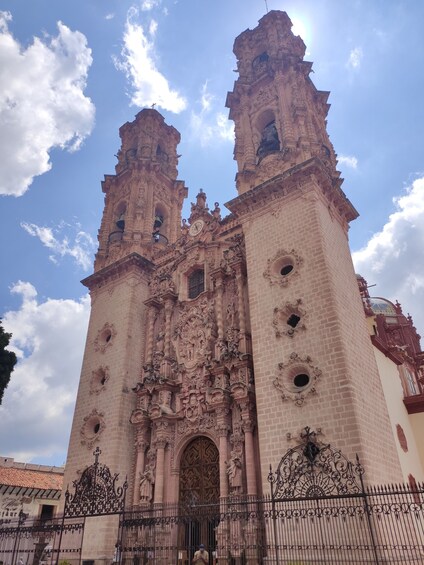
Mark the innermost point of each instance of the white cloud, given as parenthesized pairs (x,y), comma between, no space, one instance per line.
(81,248)
(349,161)
(394,257)
(355,58)
(208,127)
(109,16)
(148,84)
(42,102)
(38,404)
(153,27)
(147,5)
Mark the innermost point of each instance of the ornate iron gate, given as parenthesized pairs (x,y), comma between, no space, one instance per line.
(318,512)
(32,541)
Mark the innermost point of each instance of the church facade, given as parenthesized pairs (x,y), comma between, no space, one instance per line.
(213,342)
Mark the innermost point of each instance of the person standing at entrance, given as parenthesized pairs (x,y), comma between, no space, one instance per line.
(201,556)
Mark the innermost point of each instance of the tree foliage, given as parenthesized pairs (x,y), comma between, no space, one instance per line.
(7,361)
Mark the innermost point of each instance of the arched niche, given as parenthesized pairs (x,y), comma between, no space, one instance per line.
(160,224)
(269,140)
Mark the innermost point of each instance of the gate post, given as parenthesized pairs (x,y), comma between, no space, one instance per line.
(368,514)
(21,519)
(272,480)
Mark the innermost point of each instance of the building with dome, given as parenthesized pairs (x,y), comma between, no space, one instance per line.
(399,360)
(218,344)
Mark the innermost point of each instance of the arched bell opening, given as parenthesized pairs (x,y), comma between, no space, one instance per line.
(160,227)
(118,226)
(269,139)
(260,63)
(199,495)
(161,155)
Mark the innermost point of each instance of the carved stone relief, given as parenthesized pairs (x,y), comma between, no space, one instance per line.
(297,379)
(283,267)
(99,378)
(194,333)
(289,319)
(234,253)
(263,98)
(162,283)
(204,422)
(92,428)
(105,337)
(229,347)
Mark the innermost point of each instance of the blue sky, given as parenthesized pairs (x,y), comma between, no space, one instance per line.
(71,73)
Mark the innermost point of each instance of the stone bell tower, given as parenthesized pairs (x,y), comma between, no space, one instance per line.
(143,200)
(312,355)
(142,214)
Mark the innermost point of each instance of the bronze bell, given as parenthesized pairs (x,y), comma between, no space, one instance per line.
(120,223)
(158,222)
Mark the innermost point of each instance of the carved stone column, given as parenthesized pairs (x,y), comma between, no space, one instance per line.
(223,429)
(168,313)
(151,315)
(169,299)
(217,275)
(284,114)
(248,428)
(160,470)
(248,145)
(141,445)
(244,346)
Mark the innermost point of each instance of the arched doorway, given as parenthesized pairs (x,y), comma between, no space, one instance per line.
(199,495)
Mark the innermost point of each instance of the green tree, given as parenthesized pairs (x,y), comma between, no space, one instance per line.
(7,361)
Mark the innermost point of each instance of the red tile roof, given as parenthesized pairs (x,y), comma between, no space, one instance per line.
(31,479)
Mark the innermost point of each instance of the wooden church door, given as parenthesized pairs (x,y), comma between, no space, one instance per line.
(199,495)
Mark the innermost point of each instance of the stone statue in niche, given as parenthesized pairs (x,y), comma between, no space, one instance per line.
(231,314)
(193,409)
(165,399)
(234,472)
(146,486)
(269,141)
(160,342)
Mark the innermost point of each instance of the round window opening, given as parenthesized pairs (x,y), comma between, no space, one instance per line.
(301,380)
(96,428)
(286,270)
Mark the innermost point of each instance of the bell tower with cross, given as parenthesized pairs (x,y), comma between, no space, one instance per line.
(313,358)
(141,219)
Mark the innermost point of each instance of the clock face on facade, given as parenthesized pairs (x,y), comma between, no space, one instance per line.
(196,227)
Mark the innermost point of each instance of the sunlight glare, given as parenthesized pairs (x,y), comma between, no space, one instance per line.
(299,28)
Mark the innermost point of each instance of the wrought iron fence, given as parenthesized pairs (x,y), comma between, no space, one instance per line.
(318,512)
(27,541)
(377,525)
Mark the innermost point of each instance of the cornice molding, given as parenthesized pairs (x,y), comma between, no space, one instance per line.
(378,344)
(414,404)
(287,183)
(132,262)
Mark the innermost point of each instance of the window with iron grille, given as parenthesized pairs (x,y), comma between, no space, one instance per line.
(196,283)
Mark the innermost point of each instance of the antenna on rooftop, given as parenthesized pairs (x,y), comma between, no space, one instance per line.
(266,6)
